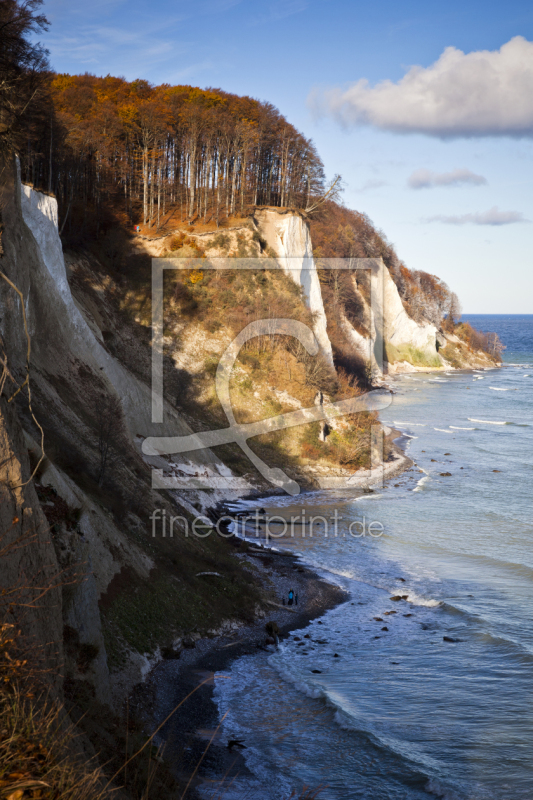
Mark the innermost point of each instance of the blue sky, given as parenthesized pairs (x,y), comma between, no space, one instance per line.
(449,182)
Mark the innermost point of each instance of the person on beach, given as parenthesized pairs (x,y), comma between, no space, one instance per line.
(291,597)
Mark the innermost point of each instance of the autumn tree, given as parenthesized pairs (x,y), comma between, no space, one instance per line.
(22,67)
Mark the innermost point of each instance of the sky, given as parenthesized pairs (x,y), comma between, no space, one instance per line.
(425,109)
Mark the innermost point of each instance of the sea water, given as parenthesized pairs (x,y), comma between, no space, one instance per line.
(402,713)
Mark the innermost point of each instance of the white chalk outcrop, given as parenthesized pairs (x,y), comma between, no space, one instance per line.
(287,235)
(399,328)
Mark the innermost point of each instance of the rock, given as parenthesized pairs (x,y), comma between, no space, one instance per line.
(189,642)
(407,615)
(378,619)
(336,655)
(272,629)
(401,579)
(319,623)
(317,671)
(449,639)
(377,637)
(321,641)
(236,743)
(297,639)
(384,628)
(447,454)
(270,640)
(434,460)
(388,613)
(170,653)
(445,474)
(494,470)
(307,636)
(394,662)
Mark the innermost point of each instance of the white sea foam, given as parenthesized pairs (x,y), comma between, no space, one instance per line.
(414,424)
(441,430)
(457,428)
(367,497)
(416,600)
(420,484)
(496,389)
(486,421)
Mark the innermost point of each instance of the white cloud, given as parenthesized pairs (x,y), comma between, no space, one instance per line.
(483,93)
(425,179)
(491,217)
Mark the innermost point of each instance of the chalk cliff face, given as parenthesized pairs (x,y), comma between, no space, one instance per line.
(399,328)
(72,372)
(287,234)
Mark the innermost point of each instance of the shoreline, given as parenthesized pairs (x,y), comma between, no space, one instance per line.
(189,731)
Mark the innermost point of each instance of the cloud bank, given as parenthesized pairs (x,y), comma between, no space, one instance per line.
(483,93)
(491,217)
(425,179)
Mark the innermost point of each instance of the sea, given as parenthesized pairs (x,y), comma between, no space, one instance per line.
(429,696)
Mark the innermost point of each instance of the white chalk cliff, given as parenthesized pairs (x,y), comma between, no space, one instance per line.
(287,234)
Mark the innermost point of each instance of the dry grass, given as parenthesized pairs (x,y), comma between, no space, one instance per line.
(36,754)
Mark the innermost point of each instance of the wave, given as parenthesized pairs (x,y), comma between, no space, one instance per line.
(420,485)
(416,600)
(496,389)
(488,421)
(442,430)
(419,763)
(495,422)
(457,428)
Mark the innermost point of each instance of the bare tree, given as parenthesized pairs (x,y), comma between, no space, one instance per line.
(454,312)
(332,193)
